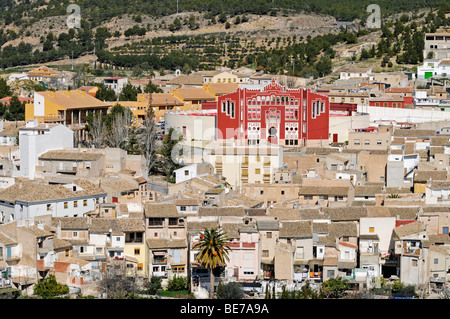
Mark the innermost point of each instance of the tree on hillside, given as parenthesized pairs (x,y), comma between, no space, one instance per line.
(5,89)
(213,252)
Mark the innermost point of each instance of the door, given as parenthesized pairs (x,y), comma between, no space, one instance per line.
(335,138)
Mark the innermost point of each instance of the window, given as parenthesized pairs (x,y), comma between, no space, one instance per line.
(330,273)
(139,267)
(299,254)
(137,251)
(414,262)
(445,230)
(367,142)
(75,203)
(269,234)
(85,202)
(49,206)
(265,253)
(66,205)
(75,234)
(436,261)
(371,229)
(356,141)
(378,142)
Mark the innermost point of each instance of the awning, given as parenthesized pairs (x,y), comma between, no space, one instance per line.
(159,253)
(267,261)
(313,262)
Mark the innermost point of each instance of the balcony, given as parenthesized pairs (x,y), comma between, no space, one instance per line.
(13,258)
(411,251)
(72,170)
(241,245)
(159,261)
(315,275)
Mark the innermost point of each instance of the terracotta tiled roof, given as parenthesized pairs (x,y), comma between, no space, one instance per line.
(161,210)
(79,223)
(104,225)
(221,211)
(186,80)
(74,99)
(222,88)
(166,243)
(29,191)
(409,229)
(161,99)
(132,224)
(70,155)
(295,229)
(194,94)
(186,202)
(424,176)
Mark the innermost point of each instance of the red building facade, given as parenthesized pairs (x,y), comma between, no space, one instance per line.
(279,115)
(392,101)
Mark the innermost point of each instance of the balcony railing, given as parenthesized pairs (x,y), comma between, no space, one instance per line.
(159,261)
(72,170)
(315,275)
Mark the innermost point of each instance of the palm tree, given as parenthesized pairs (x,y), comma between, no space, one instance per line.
(213,252)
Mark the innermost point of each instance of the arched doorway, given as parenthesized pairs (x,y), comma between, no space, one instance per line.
(273,138)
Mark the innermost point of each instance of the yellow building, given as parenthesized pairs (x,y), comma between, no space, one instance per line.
(66,107)
(192,98)
(135,252)
(222,77)
(41,73)
(161,103)
(219,89)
